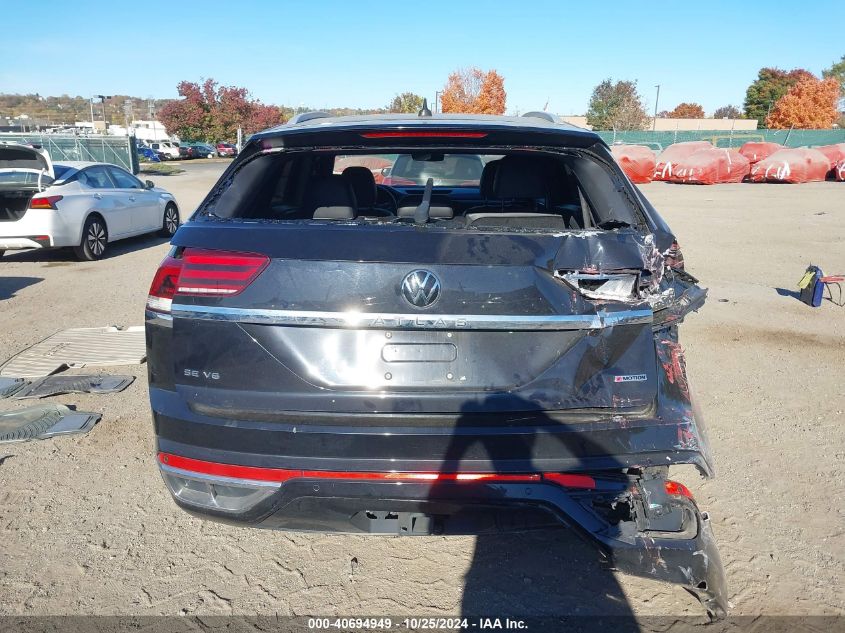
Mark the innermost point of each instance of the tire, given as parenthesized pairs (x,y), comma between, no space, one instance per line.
(170,220)
(2,253)
(210,156)
(95,238)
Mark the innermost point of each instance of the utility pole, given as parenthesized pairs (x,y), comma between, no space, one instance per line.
(91,103)
(656,101)
(102,99)
(437,94)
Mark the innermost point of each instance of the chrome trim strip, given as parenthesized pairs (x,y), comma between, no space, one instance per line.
(383,321)
(215,479)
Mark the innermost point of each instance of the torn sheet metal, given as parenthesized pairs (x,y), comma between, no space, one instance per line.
(55,385)
(10,386)
(79,347)
(44,421)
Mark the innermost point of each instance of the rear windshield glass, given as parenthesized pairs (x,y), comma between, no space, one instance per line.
(561,190)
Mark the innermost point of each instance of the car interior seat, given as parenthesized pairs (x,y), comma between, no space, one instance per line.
(331,198)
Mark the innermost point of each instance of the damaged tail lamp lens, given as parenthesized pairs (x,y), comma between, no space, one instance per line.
(203,273)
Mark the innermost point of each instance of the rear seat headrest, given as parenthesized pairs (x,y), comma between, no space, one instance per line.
(363,184)
(331,198)
(488,177)
(434,212)
(521,177)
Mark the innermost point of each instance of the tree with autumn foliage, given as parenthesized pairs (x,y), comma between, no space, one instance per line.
(727,112)
(687,111)
(473,91)
(771,84)
(809,104)
(214,113)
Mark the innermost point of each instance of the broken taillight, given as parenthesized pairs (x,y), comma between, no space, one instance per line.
(677,489)
(674,257)
(203,273)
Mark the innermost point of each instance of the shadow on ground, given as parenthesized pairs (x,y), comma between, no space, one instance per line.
(547,572)
(9,286)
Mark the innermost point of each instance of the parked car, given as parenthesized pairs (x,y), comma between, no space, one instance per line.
(186,151)
(149,154)
(226,150)
(204,150)
(431,358)
(165,148)
(81,205)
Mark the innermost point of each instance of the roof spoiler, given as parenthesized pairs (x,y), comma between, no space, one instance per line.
(537,114)
(308,116)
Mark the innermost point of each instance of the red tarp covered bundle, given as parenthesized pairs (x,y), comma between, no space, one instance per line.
(637,161)
(791,165)
(839,171)
(835,153)
(711,166)
(755,151)
(670,156)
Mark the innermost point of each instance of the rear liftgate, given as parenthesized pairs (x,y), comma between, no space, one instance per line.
(609,308)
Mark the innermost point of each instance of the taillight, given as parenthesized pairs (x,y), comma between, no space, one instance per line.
(44,202)
(677,489)
(203,273)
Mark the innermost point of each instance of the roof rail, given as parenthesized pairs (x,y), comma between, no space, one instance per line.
(536,114)
(307,116)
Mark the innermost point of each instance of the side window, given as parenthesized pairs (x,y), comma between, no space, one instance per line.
(96,178)
(124,180)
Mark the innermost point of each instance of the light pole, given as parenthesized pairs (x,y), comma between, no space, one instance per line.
(656,101)
(437,94)
(102,99)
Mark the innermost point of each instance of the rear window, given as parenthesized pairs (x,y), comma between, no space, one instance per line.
(551,191)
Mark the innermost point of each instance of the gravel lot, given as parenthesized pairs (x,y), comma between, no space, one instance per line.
(87,526)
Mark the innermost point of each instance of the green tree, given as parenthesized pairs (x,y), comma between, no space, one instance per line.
(771,84)
(727,112)
(407,102)
(616,106)
(837,71)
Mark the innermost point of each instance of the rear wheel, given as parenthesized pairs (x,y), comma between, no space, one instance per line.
(94,239)
(170,221)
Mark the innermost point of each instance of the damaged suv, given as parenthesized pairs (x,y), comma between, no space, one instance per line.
(496,350)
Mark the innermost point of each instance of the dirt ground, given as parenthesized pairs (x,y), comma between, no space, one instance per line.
(86,525)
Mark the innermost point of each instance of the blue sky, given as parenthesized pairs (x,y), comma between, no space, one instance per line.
(360,53)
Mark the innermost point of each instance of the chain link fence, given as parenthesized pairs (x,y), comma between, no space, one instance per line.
(117,150)
(725,138)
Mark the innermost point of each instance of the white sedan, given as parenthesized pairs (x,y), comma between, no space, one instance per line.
(82,205)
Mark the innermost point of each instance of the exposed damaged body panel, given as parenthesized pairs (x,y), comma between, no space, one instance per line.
(501,353)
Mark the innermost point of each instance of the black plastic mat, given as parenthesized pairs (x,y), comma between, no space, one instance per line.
(43,421)
(54,385)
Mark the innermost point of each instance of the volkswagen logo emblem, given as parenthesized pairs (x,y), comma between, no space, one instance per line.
(421,288)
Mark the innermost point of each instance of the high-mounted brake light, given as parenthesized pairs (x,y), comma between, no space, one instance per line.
(203,273)
(423,134)
(44,202)
(281,475)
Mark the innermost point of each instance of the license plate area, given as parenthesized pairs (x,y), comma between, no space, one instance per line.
(419,353)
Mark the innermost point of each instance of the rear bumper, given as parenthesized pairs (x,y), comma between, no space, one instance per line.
(401,442)
(350,502)
(25,242)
